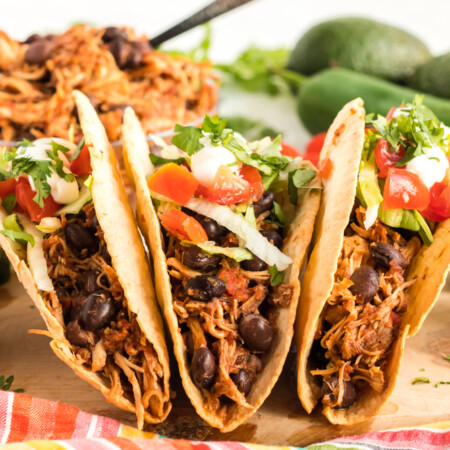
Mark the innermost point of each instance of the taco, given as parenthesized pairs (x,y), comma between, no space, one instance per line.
(75,246)
(380,258)
(228,239)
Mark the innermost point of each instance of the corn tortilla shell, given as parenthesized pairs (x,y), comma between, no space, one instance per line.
(120,232)
(343,145)
(296,243)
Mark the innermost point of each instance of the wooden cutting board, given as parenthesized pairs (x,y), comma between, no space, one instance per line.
(280,420)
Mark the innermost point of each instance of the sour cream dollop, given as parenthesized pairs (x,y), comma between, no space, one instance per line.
(62,191)
(430,167)
(206,162)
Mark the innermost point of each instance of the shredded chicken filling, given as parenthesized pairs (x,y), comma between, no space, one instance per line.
(356,332)
(215,323)
(90,304)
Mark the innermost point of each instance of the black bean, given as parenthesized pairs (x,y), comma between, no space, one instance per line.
(79,238)
(113,32)
(203,367)
(205,287)
(265,203)
(120,106)
(32,38)
(106,256)
(134,55)
(90,281)
(254,363)
(256,332)
(77,303)
(254,265)
(117,48)
(94,222)
(273,237)
(384,253)
(77,336)
(365,283)
(243,380)
(213,230)
(196,259)
(38,51)
(97,311)
(349,396)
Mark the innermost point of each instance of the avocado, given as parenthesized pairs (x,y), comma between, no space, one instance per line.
(433,76)
(361,44)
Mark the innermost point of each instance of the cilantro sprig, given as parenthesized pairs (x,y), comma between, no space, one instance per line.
(415,129)
(38,170)
(6,383)
(276,277)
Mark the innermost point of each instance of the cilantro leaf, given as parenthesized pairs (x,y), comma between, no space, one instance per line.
(158,161)
(276,277)
(5,384)
(421,380)
(297,179)
(9,202)
(58,165)
(214,125)
(261,70)
(188,139)
(77,151)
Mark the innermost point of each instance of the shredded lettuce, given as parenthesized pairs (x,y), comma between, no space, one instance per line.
(76,206)
(254,241)
(237,253)
(13,230)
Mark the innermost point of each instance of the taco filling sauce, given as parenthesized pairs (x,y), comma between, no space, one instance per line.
(80,286)
(402,192)
(223,231)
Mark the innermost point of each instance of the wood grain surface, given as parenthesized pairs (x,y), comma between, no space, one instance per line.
(280,420)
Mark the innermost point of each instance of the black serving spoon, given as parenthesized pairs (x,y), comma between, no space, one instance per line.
(209,12)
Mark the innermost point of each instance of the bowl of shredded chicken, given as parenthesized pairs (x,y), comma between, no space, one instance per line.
(113,66)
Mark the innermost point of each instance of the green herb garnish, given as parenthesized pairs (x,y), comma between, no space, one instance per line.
(6,383)
(424,380)
(298,179)
(187,139)
(276,277)
(77,151)
(13,231)
(158,161)
(9,202)
(441,382)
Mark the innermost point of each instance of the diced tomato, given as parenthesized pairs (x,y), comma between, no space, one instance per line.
(227,188)
(82,165)
(404,189)
(390,113)
(289,150)
(385,158)
(314,148)
(252,176)
(325,168)
(7,187)
(174,182)
(25,194)
(182,226)
(439,207)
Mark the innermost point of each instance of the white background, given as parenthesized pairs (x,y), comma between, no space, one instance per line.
(268,23)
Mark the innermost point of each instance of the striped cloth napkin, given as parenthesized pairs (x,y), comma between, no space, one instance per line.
(31,423)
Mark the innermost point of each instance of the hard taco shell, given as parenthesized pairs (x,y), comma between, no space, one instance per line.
(127,254)
(136,157)
(343,146)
